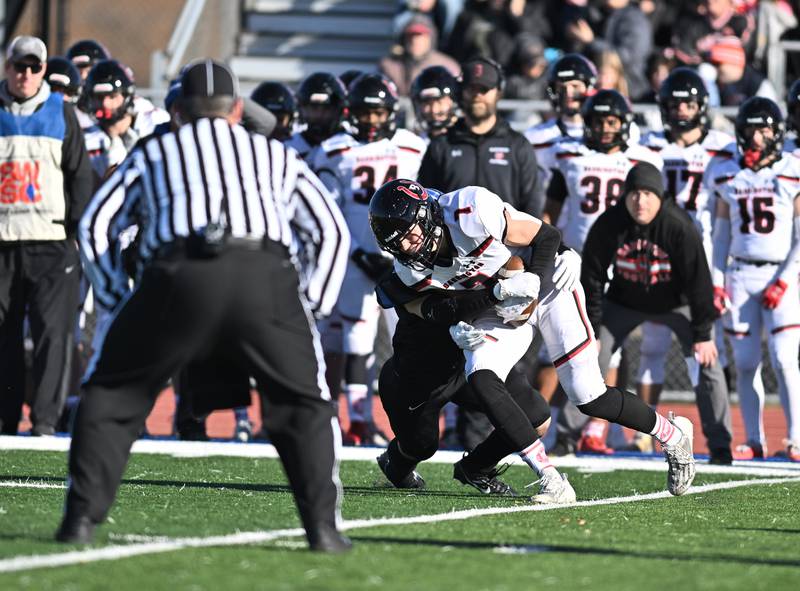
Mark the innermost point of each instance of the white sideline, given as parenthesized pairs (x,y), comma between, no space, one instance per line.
(20,563)
(30,484)
(202,449)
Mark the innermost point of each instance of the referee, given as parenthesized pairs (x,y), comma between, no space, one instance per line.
(215,207)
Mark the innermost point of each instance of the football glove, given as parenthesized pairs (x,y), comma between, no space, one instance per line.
(567,273)
(773,294)
(721,299)
(372,264)
(520,285)
(515,310)
(466,336)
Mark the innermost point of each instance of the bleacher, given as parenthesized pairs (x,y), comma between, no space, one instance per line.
(285,40)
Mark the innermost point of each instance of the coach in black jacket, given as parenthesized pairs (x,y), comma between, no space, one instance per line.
(660,274)
(481,148)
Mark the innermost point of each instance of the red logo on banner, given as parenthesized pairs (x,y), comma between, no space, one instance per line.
(19,182)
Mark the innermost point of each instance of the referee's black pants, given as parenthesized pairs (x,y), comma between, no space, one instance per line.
(40,280)
(243,301)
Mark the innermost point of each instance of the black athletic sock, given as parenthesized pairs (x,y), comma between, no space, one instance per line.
(623,408)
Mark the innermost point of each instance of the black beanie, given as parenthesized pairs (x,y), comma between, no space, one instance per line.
(645,176)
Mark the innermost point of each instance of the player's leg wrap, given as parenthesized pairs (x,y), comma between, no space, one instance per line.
(621,407)
(504,413)
(356,378)
(495,447)
(783,349)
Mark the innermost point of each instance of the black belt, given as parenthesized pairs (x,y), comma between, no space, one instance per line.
(186,246)
(755,263)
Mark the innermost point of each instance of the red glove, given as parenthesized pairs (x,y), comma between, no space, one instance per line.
(773,294)
(721,299)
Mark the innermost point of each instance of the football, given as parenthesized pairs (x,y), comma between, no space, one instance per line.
(513,266)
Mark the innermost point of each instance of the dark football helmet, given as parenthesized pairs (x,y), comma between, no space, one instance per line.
(433,83)
(348,76)
(279,100)
(758,111)
(370,92)
(64,77)
(109,77)
(602,104)
(683,85)
(793,106)
(321,90)
(86,53)
(398,206)
(572,66)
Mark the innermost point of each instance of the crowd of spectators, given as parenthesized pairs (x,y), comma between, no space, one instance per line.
(727,40)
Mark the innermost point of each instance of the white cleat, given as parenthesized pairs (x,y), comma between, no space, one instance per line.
(554,489)
(680,458)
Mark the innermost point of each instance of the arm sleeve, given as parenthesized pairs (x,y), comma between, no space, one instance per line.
(530,197)
(544,247)
(447,309)
(696,278)
(78,177)
(320,220)
(112,209)
(598,252)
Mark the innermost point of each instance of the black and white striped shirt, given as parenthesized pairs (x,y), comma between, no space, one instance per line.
(175,184)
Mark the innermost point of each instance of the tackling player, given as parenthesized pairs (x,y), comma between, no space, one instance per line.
(455,244)
(758,227)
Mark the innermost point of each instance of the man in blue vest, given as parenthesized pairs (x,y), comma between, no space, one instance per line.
(45,183)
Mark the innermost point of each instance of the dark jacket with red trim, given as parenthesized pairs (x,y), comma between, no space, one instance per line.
(657,268)
(501,160)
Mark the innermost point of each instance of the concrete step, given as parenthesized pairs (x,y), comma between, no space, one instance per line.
(252,70)
(385,8)
(309,46)
(357,26)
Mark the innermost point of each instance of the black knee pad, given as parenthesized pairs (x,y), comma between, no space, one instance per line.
(355,369)
(624,408)
(529,399)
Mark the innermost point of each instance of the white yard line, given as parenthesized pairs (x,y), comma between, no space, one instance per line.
(30,484)
(202,449)
(20,563)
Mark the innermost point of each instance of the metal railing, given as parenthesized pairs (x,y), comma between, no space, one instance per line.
(166,64)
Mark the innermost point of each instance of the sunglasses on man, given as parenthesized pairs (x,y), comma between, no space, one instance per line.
(20,68)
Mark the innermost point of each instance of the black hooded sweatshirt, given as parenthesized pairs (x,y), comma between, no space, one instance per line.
(657,267)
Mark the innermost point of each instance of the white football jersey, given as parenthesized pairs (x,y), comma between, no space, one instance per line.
(475,220)
(761,206)
(595,181)
(105,151)
(544,138)
(300,143)
(684,168)
(352,171)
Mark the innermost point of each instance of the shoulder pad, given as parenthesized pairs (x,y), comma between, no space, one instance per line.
(392,292)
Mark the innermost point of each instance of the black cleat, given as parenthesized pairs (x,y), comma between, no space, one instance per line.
(76,530)
(564,446)
(486,482)
(325,538)
(720,456)
(410,480)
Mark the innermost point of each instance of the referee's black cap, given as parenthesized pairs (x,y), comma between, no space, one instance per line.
(208,78)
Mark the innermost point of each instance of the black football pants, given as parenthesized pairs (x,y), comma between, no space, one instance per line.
(245,302)
(40,280)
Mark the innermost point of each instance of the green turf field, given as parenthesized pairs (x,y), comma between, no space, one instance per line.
(747,537)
